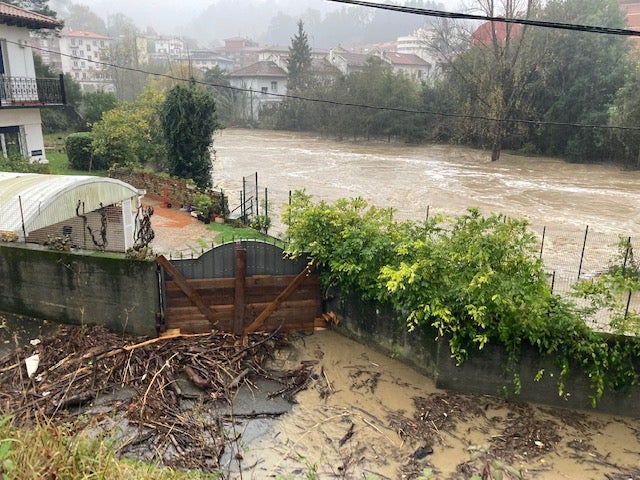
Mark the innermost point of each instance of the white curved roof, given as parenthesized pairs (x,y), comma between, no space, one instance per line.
(43,200)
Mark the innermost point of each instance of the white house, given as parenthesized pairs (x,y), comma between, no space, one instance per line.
(21,93)
(262,83)
(81,52)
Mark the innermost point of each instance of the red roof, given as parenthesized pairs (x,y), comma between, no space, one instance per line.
(67,32)
(19,17)
(484,33)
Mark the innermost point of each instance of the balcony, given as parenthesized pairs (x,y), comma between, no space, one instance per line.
(18,92)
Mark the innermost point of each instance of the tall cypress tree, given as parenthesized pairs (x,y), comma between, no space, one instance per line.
(189,119)
(299,62)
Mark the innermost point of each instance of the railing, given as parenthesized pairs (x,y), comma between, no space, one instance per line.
(26,91)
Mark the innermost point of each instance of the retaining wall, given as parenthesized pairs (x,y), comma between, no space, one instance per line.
(75,288)
(484,373)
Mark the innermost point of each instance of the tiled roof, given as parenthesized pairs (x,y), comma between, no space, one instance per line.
(408,59)
(67,32)
(16,16)
(260,69)
(354,59)
(323,66)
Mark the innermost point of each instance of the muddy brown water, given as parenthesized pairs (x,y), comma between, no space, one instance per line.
(438,178)
(415,180)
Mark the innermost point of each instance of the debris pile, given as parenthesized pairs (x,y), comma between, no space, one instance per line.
(149,384)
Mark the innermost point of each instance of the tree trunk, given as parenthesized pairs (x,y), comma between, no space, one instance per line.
(496,148)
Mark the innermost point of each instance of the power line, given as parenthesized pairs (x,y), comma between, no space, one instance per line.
(339,103)
(468,16)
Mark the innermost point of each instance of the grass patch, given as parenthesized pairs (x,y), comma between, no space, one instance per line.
(229,232)
(48,451)
(54,144)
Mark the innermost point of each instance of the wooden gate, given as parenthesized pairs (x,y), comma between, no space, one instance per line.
(240,287)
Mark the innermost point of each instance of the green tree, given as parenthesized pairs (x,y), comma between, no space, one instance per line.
(299,61)
(94,104)
(489,80)
(188,117)
(38,6)
(581,74)
(128,134)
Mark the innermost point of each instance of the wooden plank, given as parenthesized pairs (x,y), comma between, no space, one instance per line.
(273,306)
(184,285)
(239,298)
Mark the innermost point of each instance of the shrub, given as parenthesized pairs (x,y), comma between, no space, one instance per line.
(80,152)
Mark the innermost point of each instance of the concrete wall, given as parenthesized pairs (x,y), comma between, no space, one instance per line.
(485,372)
(72,288)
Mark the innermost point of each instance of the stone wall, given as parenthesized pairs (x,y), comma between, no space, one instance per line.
(107,289)
(484,373)
(178,192)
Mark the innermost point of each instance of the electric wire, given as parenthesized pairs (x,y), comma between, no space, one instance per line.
(468,16)
(303,98)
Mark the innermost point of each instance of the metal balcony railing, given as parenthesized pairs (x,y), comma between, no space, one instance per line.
(30,92)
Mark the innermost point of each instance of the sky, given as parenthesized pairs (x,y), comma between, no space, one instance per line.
(170,16)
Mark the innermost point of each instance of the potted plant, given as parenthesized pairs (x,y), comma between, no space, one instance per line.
(203,205)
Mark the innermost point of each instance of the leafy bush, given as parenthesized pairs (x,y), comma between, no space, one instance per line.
(475,279)
(17,163)
(80,152)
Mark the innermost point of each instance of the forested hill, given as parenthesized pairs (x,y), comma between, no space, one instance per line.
(327,24)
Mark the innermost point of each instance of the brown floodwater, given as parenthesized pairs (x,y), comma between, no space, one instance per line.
(435,178)
(370,391)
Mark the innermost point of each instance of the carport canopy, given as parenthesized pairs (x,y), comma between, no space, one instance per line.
(30,201)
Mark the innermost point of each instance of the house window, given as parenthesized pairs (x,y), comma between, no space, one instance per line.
(274,86)
(73,41)
(12,141)
(264,90)
(88,48)
(102,43)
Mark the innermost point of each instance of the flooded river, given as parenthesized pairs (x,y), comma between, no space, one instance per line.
(415,179)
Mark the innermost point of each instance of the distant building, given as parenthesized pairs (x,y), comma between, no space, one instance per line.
(81,55)
(347,62)
(21,93)
(408,63)
(241,51)
(263,83)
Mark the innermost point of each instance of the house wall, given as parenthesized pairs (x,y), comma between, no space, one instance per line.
(18,55)
(120,293)
(29,119)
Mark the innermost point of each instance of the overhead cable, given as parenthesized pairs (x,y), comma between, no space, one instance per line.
(468,16)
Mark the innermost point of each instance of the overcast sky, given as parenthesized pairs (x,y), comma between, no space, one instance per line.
(171,15)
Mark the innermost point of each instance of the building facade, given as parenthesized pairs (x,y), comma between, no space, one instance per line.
(21,93)
(81,55)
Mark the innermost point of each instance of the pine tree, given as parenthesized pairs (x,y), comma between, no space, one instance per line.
(299,62)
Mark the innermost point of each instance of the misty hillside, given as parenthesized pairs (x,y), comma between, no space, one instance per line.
(327,24)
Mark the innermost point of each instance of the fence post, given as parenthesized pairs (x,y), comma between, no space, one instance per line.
(257,198)
(626,310)
(427,219)
(584,244)
(553,280)
(544,232)
(239,290)
(626,255)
